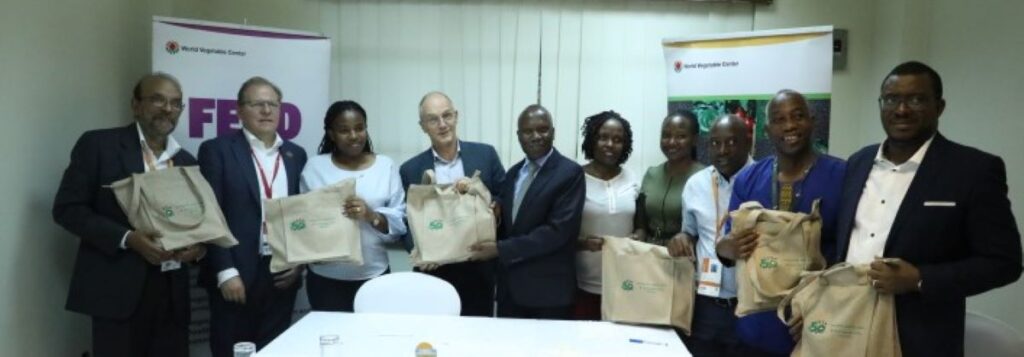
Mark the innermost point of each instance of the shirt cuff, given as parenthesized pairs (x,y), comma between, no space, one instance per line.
(124,240)
(225,275)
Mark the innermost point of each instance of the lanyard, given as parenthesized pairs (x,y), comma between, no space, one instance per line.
(150,159)
(268,189)
(719,217)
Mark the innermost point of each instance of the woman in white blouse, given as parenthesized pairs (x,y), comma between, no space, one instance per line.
(610,207)
(346,152)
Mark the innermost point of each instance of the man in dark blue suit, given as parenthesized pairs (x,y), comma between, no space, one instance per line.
(247,302)
(454,160)
(541,204)
(937,211)
(134,290)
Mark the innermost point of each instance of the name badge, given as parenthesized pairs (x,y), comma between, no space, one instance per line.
(169,265)
(709,282)
(265,247)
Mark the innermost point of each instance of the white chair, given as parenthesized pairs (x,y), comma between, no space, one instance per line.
(408,293)
(986,336)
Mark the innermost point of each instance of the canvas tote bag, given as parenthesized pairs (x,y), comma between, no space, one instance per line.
(641,283)
(176,202)
(843,315)
(789,244)
(310,228)
(445,223)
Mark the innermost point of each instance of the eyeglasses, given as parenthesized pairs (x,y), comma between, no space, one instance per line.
(448,117)
(160,101)
(914,102)
(260,104)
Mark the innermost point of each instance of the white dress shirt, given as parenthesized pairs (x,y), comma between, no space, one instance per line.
(161,162)
(265,157)
(381,187)
(608,210)
(883,194)
(446,172)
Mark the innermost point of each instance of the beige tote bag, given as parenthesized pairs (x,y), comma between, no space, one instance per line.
(310,228)
(641,283)
(789,244)
(843,315)
(444,223)
(175,202)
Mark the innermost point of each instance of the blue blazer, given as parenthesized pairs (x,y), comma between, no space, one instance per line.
(107,281)
(962,250)
(475,157)
(536,253)
(226,162)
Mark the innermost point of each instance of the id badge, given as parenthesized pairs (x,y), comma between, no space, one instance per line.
(169,265)
(264,247)
(710,281)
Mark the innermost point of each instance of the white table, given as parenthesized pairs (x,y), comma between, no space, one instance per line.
(397,335)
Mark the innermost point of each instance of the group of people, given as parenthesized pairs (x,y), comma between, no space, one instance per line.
(938,211)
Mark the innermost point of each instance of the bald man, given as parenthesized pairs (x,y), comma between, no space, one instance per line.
(454,160)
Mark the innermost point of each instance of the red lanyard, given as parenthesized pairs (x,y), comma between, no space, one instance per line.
(268,189)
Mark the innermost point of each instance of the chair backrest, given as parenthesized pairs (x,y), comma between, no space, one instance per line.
(986,336)
(408,293)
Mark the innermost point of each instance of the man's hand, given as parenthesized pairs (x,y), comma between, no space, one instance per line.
(288,278)
(462,185)
(191,254)
(146,245)
(591,243)
(233,290)
(893,276)
(796,324)
(738,245)
(483,251)
(680,246)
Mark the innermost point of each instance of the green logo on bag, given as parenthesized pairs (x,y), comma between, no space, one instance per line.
(298,225)
(627,285)
(769,263)
(436,225)
(816,327)
(168,212)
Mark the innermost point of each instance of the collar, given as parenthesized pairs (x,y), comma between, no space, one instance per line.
(912,163)
(258,144)
(750,161)
(543,159)
(458,154)
(172,145)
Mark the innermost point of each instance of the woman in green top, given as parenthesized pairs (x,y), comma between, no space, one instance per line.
(659,217)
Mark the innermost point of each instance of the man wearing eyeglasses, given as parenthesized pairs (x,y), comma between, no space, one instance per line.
(135,291)
(244,168)
(454,160)
(937,211)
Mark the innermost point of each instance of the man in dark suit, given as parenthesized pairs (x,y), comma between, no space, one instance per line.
(937,211)
(454,161)
(247,302)
(541,204)
(135,291)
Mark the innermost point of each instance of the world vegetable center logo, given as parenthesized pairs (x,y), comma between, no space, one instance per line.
(436,225)
(817,327)
(298,225)
(172,47)
(627,285)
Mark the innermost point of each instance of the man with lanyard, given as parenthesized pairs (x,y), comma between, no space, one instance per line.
(706,201)
(789,181)
(135,291)
(247,302)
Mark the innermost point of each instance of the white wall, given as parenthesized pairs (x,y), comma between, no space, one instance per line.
(66,67)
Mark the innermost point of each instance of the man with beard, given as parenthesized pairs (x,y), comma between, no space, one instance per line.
(135,291)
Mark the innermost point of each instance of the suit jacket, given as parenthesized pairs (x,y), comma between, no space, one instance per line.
(962,250)
(226,162)
(475,157)
(107,281)
(536,253)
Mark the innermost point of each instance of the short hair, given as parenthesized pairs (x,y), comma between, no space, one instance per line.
(137,91)
(788,92)
(691,119)
(593,124)
(914,68)
(432,93)
(327,145)
(254,81)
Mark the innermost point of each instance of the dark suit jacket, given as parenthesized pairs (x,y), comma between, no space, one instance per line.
(226,162)
(961,251)
(107,281)
(475,157)
(536,253)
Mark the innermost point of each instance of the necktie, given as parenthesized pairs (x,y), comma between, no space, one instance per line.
(522,189)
